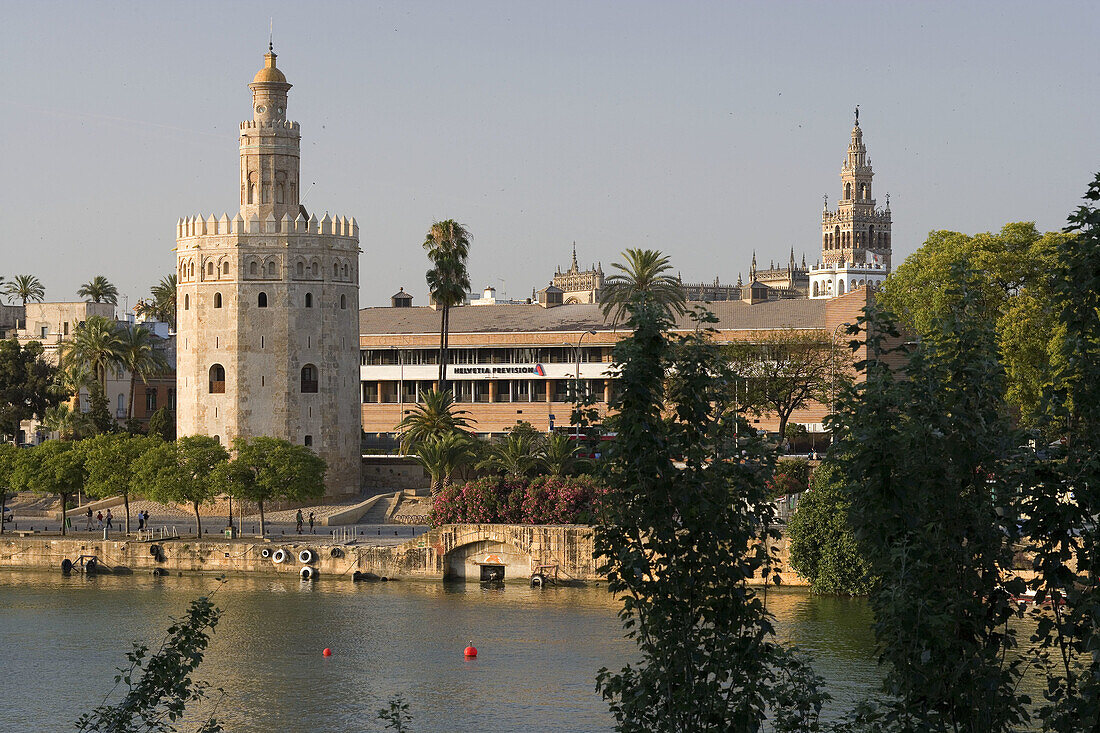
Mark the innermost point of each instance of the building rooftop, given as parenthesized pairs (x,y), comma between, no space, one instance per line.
(732,316)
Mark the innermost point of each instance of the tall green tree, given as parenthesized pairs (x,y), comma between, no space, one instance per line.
(823,546)
(682,531)
(437,416)
(53,467)
(99,290)
(26,378)
(645,273)
(184,471)
(1061,494)
(109,461)
(1009,286)
(921,454)
(162,423)
(784,370)
(97,344)
(448,246)
(268,469)
(9,453)
(139,355)
(27,288)
(72,377)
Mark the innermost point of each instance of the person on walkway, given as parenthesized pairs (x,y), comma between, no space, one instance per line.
(141,521)
(146,513)
(89,515)
(298,520)
(99,520)
(311,522)
(110,517)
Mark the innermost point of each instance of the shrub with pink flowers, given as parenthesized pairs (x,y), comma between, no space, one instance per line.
(506,500)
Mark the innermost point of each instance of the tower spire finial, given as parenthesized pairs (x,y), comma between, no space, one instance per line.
(575,255)
(271,33)
(857,115)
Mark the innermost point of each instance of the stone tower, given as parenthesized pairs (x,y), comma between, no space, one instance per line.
(267,305)
(856,232)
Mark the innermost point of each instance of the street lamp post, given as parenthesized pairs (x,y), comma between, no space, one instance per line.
(577,371)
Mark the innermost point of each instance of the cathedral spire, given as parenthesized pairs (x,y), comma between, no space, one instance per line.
(575,268)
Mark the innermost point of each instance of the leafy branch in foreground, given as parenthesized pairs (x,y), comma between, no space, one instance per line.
(396,716)
(159,686)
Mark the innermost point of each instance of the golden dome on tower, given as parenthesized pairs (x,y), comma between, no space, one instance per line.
(269,73)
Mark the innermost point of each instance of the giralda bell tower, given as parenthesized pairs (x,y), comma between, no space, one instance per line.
(267,305)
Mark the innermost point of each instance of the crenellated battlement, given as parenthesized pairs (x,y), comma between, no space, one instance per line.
(249,125)
(199,226)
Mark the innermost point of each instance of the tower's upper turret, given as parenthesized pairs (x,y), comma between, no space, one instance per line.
(857,231)
(269,88)
(270,148)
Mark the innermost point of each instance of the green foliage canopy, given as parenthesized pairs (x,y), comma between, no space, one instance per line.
(183,471)
(823,547)
(1009,287)
(26,384)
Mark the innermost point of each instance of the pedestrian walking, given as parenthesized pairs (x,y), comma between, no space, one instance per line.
(110,518)
(141,521)
(99,520)
(298,521)
(146,513)
(311,522)
(89,515)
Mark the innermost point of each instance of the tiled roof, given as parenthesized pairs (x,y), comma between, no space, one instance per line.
(732,315)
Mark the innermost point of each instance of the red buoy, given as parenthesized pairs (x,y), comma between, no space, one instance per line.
(328,652)
(470,651)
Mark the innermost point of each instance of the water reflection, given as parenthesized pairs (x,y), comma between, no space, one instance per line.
(540,649)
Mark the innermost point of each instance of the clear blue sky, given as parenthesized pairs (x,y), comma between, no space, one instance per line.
(706,130)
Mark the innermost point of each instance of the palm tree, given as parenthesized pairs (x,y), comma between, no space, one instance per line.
(71,378)
(448,246)
(95,343)
(559,454)
(442,455)
(517,455)
(26,288)
(643,276)
(435,418)
(99,290)
(138,355)
(162,305)
(70,424)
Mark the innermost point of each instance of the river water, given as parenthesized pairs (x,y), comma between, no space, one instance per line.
(61,639)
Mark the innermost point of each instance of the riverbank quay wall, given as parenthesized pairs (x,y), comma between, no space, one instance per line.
(451,552)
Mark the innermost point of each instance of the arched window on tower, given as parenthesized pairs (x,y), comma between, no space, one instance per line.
(316,269)
(210,269)
(309,300)
(225,268)
(836,236)
(191,268)
(300,269)
(840,287)
(217,379)
(187,302)
(252,187)
(335,270)
(847,191)
(261,300)
(217,300)
(816,293)
(309,379)
(871,236)
(271,268)
(343,302)
(254,269)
